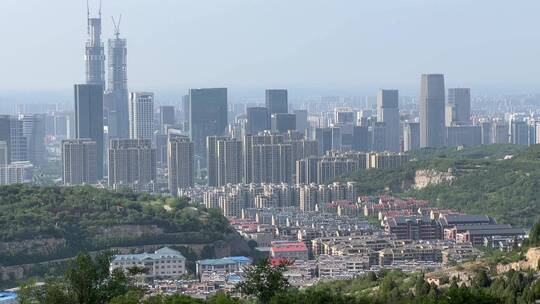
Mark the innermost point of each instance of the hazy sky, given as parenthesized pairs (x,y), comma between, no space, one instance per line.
(349,44)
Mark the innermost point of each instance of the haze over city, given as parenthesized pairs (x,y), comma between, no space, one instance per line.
(269,151)
(317,47)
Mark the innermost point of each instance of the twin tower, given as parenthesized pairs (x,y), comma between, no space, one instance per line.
(115,99)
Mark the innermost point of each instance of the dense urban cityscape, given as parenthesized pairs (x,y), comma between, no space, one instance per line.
(120,197)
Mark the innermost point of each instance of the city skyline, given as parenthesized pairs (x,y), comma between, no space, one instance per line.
(269,56)
(235,151)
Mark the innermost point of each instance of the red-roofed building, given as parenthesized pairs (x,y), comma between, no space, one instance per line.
(279,261)
(289,250)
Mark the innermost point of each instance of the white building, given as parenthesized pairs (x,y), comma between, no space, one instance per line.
(342,267)
(16,173)
(164,262)
(206,269)
(141,115)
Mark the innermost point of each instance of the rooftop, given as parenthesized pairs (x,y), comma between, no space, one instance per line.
(458,218)
(163,253)
(494,232)
(288,246)
(7,296)
(470,227)
(217,262)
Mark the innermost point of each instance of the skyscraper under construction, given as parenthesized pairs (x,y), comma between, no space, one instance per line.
(94,54)
(116,97)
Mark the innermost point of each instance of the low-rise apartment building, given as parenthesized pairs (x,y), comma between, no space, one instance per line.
(165,262)
(289,250)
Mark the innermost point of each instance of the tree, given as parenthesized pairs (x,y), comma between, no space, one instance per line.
(221,298)
(131,297)
(263,281)
(252,244)
(86,281)
(534,235)
(388,289)
(51,293)
(421,287)
(371,276)
(482,279)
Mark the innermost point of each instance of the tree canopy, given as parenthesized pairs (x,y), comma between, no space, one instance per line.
(85,218)
(486,183)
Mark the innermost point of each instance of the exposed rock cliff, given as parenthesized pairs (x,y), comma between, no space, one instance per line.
(424,178)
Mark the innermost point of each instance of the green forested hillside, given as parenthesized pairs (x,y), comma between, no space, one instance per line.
(508,189)
(77,218)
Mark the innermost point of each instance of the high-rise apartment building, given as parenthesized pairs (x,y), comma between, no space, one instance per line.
(33,129)
(500,132)
(160,141)
(207,116)
(323,136)
(229,162)
(306,170)
(302,124)
(141,115)
(272,163)
(89,118)
(344,115)
(185,112)
(360,139)
(302,148)
(19,172)
(463,135)
(132,163)
(258,120)
(4,153)
(328,138)
(277,101)
(117,96)
(257,139)
(225,161)
(386,160)
(411,136)
(330,168)
(212,159)
(519,132)
(5,134)
(11,131)
(79,161)
(432,110)
(180,162)
(458,109)
(271,157)
(60,125)
(388,113)
(283,122)
(377,134)
(536,126)
(166,118)
(487,132)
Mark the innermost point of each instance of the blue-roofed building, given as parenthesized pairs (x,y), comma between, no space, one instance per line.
(233,278)
(241,260)
(222,266)
(163,263)
(7,297)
